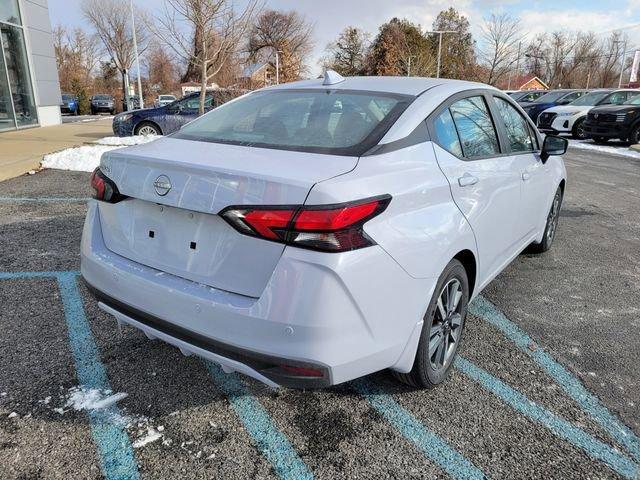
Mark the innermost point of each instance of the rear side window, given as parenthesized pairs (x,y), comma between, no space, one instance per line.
(517,128)
(475,127)
(445,133)
(340,122)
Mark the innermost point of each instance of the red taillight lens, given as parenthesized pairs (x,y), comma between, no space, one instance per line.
(97,182)
(105,189)
(329,228)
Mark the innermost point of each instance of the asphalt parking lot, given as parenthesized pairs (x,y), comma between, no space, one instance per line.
(548,384)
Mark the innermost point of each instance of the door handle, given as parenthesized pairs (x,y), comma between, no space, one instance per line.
(526,176)
(467,179)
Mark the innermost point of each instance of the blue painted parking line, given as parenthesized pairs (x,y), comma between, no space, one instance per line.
(114,446)
(563,429)
(44,199)
(433,446)
(483,308)
(270,441)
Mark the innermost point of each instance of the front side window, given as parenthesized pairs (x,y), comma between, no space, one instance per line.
(193,103)
(475,127)
(572,96)
(312,120)
(517,128)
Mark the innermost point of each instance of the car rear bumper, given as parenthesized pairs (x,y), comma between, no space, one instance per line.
(344,315)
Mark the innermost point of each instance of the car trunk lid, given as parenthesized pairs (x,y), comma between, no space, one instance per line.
(176,189)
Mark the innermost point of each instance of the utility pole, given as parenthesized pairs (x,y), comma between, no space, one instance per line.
(135,49)
(439,33)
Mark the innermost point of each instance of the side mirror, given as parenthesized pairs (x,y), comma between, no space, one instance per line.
(553,146)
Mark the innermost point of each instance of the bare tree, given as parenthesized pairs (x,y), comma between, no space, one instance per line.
(501,34)
(111,20)
(204,33)
(347,53)
(287,33)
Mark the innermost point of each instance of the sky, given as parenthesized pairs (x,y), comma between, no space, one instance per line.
(330,17)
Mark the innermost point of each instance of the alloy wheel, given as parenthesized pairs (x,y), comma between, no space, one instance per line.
(446,326)
(147,130)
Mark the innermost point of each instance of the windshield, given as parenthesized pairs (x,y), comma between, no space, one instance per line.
(66,97)
(634,100)
(340,122)
(551,97)
(590,99)
(167,97)
(102,97)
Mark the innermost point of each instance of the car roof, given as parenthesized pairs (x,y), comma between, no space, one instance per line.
(400,85)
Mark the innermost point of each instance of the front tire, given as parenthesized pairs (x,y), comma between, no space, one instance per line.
(578,130)
(634,138)
(550,227)
(442,329)
(147,128)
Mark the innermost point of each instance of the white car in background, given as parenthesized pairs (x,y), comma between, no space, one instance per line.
(314,232)
(570,118)
(164,100)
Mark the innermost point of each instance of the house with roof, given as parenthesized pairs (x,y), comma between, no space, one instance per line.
(258,75)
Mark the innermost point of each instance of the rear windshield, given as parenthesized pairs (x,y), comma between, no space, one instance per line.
(340,122)
(590,99)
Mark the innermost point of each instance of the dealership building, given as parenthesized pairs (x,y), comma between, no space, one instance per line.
(29,85)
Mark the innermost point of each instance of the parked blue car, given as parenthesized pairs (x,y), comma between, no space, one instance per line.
(169,118)
(551,99)
(69,104)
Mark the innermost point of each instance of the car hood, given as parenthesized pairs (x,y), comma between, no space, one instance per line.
(614,108)
(536,104)
(569,108)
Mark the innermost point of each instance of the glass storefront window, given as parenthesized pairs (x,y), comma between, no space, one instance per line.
(6,108)
(9,12)
(17,71)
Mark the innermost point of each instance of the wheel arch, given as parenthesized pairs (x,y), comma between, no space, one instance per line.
(468,261)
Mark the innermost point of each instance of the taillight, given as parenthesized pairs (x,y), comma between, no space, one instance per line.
(329,228)
(104,188)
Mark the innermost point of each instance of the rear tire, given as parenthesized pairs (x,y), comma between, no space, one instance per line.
(442,329)
(551,226)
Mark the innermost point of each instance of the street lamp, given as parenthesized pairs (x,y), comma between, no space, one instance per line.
(278,65)
(624,54)
(135,49)
(439,33)
(537,57)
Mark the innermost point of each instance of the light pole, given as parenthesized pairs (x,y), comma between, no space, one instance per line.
(537,57)
(278,52)
(439,33)
(624,55)
(135,49)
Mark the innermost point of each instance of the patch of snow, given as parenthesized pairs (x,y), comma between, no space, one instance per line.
(126,141)
(87,157)
(13,415)
(3,394)
(92,399)
(610,149)
(151,436)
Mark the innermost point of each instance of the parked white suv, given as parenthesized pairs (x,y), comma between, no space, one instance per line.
(311,233)
(570,118)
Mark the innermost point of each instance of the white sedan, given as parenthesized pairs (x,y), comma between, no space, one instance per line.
(311,233)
